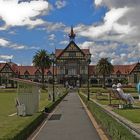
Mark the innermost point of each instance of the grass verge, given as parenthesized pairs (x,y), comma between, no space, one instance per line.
(114,129)
(16,127)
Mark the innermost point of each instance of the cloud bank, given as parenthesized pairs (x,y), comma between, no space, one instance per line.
(119,30)
(24,13)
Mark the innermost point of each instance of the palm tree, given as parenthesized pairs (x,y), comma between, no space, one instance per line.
(104,67)
(42,60)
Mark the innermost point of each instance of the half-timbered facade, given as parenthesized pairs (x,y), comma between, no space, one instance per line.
(71,63)
(71,69)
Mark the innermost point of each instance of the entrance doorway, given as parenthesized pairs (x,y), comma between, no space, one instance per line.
(72,82)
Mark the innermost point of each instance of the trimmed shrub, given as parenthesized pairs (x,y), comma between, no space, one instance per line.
(113,128)
(52,105)
(25,133)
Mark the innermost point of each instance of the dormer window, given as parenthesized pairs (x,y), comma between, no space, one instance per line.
(118,73)
(26,74)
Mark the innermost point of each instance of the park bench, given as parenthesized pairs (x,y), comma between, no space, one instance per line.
(101,96)
(114,94)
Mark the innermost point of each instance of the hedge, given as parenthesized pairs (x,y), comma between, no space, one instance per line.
(114,129)
(26,132)
(23,134)
(52,105)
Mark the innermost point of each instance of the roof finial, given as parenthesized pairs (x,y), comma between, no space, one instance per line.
(72,34)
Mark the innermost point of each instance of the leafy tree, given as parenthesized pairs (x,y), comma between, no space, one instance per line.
(104,67)
(42,60)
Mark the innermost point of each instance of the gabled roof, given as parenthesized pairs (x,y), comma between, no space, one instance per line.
(12,66)
(118,69)
(124,69)
(59,52)
(2,65)
(71,42)
(51,70)
(30,69)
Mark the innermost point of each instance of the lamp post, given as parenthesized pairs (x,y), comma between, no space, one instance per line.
(88,62)
(53,61)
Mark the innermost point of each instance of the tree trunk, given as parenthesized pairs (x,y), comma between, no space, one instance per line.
(42,81)
(104,86)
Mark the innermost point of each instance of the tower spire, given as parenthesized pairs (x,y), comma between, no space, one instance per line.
(72,34)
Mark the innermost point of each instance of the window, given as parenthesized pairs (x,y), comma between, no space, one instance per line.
(26,75)
(135,78)
(72,54)
(72,71)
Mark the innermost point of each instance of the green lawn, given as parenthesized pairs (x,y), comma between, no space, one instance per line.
(12,125)
(102,90)
(131,114)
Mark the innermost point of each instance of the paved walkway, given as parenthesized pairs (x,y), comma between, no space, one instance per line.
(69,122)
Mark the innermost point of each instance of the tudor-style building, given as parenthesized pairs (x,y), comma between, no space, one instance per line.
(72,64)
(11,70)
(71,68)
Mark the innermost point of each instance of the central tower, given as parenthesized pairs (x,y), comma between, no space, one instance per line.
(72,35)
(72,63)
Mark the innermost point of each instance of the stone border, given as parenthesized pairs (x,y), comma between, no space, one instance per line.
(133,128)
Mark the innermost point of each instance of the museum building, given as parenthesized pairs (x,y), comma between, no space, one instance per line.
(72,66)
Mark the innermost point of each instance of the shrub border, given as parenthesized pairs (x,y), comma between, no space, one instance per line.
(114,129)
(30,128)
(52,105)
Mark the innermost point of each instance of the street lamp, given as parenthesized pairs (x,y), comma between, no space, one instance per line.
(88,62)
(53,59)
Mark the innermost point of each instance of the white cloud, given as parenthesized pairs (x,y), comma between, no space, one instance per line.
(65,42)
(24,13)
(8,44)
(98,2)
(51,37)
(17,46)
(3,42)
(6,57)
(113,50)
(125,29)
(54,26)
(2,61)
(51,26)
(60,4)
(110,25)
(120,25)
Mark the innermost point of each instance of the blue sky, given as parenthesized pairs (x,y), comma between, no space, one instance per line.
(108,29)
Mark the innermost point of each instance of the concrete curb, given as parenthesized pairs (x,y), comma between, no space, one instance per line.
(123,121)
(101,133)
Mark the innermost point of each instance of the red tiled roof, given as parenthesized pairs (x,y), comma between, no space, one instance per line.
(124,69)
(58,52)
(30,69)
(51,70)
(2,65)
(14,67)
